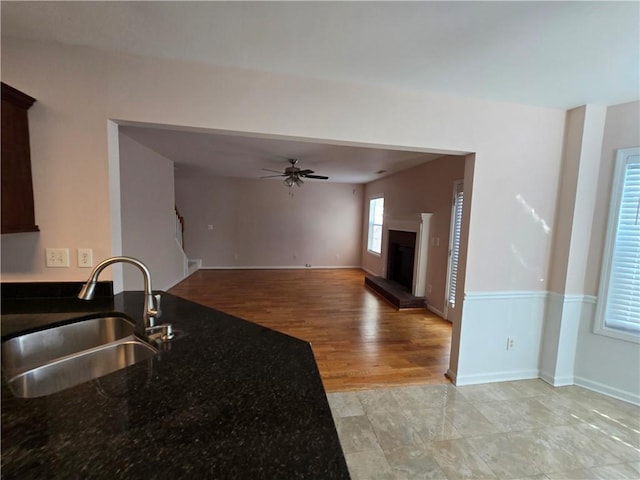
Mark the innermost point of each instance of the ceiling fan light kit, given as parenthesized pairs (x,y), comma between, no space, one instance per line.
(293,175)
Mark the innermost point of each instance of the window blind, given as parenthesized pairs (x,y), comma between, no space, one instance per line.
(455,245)
(623,293)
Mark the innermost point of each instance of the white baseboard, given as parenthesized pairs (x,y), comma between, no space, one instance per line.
(280,267)
(494,377)
(557,381)
(193,265)
(623,395)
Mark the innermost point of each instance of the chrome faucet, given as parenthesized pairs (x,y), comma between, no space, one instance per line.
(151,312)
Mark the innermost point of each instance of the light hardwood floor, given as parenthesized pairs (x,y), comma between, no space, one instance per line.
(358,339)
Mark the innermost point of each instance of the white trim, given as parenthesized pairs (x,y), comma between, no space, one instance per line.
(590,299)
(281,267)
(506,376)
(490,320)
(515,295)
(193,265)
(573,298)
(557,381)
(600,329)
(607,390)
(531,294)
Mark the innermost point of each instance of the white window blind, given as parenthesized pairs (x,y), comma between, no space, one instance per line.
(455,244)
(376,214)
(620,290)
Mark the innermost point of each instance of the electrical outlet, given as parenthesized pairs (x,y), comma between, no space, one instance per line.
(85,257)
(510,343)
(429,288)
(57,257)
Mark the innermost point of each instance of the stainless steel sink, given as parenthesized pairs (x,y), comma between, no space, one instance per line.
(50,360)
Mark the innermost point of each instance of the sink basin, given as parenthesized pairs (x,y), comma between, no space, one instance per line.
(50,360)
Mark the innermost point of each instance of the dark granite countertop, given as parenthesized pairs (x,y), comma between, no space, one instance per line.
(229,399)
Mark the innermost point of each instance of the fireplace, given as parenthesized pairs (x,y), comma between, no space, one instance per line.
(405,250)
(417,225)
(400,257)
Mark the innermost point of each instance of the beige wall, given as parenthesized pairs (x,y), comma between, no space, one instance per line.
(68,157)
(256,223)
(148,216)
(622,130)
(518,147)
(605,363)
(427,188)
(518,152)
(566,199)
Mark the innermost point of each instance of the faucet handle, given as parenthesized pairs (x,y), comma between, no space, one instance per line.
(156,305)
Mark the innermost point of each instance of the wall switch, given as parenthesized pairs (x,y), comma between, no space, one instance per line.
(85,257)
(209,227)
(57,257)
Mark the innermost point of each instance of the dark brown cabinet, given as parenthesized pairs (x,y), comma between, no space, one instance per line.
(17,187)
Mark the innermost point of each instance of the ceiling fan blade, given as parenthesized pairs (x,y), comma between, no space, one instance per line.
(271,176)
(319,177)
(274,171)
(305,172)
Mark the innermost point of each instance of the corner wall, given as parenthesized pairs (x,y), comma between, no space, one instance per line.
(148,218)
(605,364)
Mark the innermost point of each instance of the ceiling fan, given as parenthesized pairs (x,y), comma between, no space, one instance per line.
(294,175)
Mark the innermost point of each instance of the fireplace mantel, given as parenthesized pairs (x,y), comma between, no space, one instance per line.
(418,223)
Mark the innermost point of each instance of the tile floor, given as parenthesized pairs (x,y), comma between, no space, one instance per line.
(511,430)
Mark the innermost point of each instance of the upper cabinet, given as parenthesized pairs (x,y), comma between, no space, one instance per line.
(17,187)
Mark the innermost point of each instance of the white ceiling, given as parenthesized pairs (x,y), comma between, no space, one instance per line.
(552,54)
(224,155)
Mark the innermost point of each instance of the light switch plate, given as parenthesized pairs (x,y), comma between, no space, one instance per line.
(57,257)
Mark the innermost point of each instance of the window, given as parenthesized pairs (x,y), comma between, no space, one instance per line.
(376,208)
(454,243)
(618,313)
